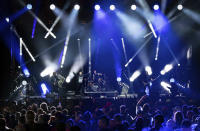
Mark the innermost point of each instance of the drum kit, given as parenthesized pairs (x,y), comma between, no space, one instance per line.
(96,83)
(92,82)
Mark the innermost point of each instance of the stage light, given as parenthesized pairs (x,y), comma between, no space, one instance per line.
(112,7)
(97,7)
(135,75)
(119,79)
(179,64)
(172,80)
(7,19)
(68,80)
(156,7)
(157,48)
(52,7)
(26,72)
(77,7)
(165,86)
(150,84)
(44,89)
(133,7)
(29,6)
(180,7)
(148,70)
(168,67)
(24,83)
(47,71)
(152,29)
(162,72)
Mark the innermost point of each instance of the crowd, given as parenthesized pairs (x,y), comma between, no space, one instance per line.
(138,114)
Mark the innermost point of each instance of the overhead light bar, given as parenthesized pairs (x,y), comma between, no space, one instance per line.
(33,59)
(152,29)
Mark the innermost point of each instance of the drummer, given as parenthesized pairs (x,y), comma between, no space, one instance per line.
(96,76)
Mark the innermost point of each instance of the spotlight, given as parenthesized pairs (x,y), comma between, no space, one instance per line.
(133,7)
(156,7)
(68,80)
(97,7)
(135,75)
(148,70)
(150,84)
(162,72)
(24,83)
(172,80)
(44,89)
(179,64)
(180,7)
(26,72)
(119,79)
(48,71)
(7,19)
(112,7)
(52,7)
(29,6)
(166,86)
(168,67)
(77,7)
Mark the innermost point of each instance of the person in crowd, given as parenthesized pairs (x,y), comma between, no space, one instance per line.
(30,124)
(178,118)
(103,123)
(158,123)
(3,126)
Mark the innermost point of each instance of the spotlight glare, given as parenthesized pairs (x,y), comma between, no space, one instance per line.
(119,79)
(156,7)
(97,7)
(168,67)
(172,80)
(180,7)
(52,7)
(112,7)
(29,6)
(26,72)
(148,70)
(24,83)
(133,7)
(48,71)
(68,80)
(7,19)
(77,7)
(44,89)
(135,75)
(162,72)
(179,64)
(166,86)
